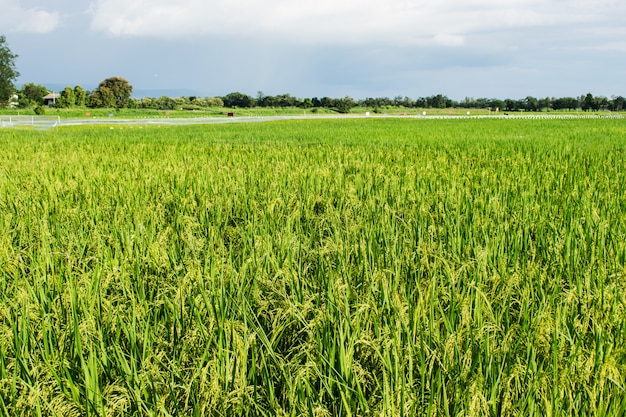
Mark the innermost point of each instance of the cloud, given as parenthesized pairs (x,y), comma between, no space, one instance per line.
(411,22)
(16,18)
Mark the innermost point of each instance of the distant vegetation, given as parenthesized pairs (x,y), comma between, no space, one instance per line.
(116,92)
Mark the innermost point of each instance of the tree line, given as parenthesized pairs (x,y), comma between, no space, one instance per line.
(116,92)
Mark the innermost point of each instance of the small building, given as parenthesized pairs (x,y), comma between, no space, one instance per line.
(51,99)
(13,101)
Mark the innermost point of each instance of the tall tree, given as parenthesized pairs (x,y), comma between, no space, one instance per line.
(166,103)
(343,105)
(530,103)
(8,73)
(67,98)
(32,95)
(80,96)
(587,102)
(112,92)
(238,99)
(102,98)
(617,104)
(547,104)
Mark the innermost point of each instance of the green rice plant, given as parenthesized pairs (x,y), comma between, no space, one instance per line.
(315,268)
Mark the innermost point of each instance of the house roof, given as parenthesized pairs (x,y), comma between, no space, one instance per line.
(51,96)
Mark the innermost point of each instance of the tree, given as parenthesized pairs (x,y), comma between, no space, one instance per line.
(8,73)
(343,105)
(32,95)
(238,99)
(112,92)
(496,104)
(600,103)
(148,103)
(511,105)
(67,98)
(436,102)
(80,96)
(166,103)
(531,103)
(617,104)
(547,104)
(214,102)
(587,102)
(566,103)
(102,98)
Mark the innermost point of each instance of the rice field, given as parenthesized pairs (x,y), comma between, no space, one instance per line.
(315,268)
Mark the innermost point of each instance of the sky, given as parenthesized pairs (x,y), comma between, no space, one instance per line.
(317,48)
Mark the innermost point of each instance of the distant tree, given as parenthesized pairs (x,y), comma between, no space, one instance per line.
(545,104)
(436,102)
(600,103)
(344,105)
(286,100)
(483,103)
(421,102)
(32,95)
(325,102)
(265,101)
(617,103)
(372,102)
(468,103)
(586,102)
(530,103)
(8,73)
(80,96)
(112,92)
(511,105)
(101,98)
(214,101)
(237,99)
(565,103)
(147,103)
(408,102)
(496,104)
(67,98)
(166,103)
(198,101)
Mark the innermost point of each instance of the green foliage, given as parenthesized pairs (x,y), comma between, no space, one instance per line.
(315,268)
(166,103)
(67,98)
(113,92)
(31,95)
(80,96)
(8,72)
(238,100)
(344,105)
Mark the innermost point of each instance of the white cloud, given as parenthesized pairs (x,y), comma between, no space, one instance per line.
(442,22)
(17,18)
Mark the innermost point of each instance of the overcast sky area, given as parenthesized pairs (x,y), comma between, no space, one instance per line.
(366,48)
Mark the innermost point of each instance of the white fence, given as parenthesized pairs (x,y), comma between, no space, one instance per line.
(36,122)
(47,122)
